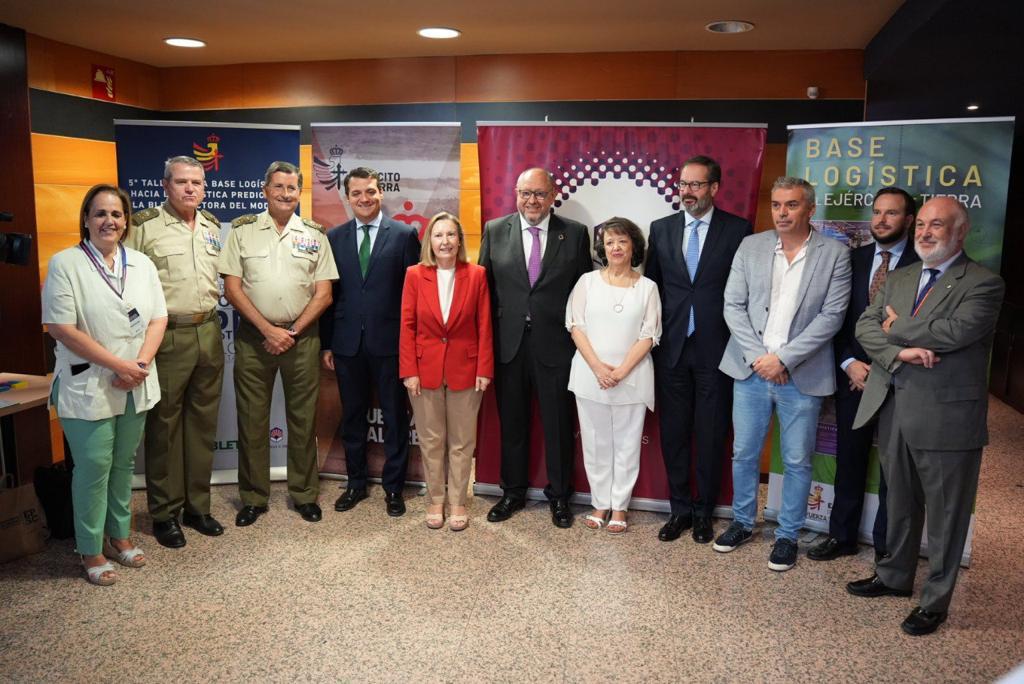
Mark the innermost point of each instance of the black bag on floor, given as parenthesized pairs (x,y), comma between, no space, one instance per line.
(53,487)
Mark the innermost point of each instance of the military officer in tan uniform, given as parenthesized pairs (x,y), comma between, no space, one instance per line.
(184,243)
(278,272)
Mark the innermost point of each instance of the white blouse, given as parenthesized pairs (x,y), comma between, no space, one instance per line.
(614,319)
(445,290)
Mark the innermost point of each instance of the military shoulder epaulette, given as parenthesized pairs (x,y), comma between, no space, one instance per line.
(210,216)
(140,217)
(310,223)
(243,220)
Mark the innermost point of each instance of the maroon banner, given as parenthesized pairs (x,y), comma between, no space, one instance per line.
(601,171)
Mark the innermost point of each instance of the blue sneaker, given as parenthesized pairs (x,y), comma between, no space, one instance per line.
(783,555)
(732,537)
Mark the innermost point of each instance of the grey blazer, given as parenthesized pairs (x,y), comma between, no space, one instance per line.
(823,297)
(944,407)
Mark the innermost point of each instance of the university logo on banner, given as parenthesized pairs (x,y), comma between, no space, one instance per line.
(235,158)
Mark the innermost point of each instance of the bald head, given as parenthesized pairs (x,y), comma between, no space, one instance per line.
(535,194)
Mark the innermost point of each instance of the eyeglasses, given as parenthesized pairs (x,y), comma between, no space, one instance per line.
(525,195)
(693,185)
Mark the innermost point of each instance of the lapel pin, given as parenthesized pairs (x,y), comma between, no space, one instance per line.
(561,236)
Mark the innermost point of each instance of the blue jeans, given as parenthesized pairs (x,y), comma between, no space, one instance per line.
(753,402)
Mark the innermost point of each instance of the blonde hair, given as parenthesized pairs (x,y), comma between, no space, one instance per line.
(427,257)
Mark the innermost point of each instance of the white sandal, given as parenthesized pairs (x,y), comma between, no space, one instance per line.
(598,522)
(617,526)
(130,558)
(95,574)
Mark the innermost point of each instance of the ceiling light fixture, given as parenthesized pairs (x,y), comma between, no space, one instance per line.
(729,26)
(972,107)
(185,42)
(439,32)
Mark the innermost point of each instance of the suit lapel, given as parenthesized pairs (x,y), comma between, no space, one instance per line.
(556,236)
(812,257)
(514,235)
(675,246)
(902,298)
(943,286)
(378,245)
(459,295)
(711,243)
(431,293)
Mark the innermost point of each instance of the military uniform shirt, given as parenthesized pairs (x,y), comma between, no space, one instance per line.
(278,271)
(185,259)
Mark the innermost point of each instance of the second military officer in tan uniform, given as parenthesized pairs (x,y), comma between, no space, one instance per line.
(184,243)
(278,271)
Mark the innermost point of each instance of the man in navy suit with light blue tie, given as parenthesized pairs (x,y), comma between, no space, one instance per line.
(359,334)
(689,257)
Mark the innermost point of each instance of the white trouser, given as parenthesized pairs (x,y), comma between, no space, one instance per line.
(611,450)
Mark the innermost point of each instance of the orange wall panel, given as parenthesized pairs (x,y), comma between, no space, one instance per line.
(63,68)
(72,161)
(774,166)
(769,75)
(561,77)
(51,243)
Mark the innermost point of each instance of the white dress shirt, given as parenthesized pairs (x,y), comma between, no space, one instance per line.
(786,277)
(528,236)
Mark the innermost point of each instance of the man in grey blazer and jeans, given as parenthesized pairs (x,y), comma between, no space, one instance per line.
(784,302)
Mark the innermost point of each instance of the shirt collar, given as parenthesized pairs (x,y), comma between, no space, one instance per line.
(895,250)
(374,223)
(946,264)
(706,218)
(543,224)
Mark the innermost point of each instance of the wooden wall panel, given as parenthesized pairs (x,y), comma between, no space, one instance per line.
(306,167)
(72,161)
(63,68)
(285,84)
(772,75)
(774,166)
(561,77)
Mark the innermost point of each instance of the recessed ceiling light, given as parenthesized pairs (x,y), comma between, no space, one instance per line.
(185,42)
(729,26)
(439,32)
(972,107)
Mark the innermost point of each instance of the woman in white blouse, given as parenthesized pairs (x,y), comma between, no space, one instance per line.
(446,361)
(614,315)
(104,306)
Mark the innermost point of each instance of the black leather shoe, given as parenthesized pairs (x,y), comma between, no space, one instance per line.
(561,514)
(394,504)
(873,587)
(349,498)
(921,622)
(676,525)
(203,524)
(505,507)
(830,549)
(310,512)
(703,531)
(248,515)
(168,533)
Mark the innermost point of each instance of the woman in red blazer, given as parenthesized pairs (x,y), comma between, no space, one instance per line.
(446,360)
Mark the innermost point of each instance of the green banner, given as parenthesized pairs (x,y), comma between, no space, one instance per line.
(968,159)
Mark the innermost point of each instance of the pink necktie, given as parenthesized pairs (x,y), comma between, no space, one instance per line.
(533,266)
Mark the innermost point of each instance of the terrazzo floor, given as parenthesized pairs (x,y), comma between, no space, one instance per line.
(366,598)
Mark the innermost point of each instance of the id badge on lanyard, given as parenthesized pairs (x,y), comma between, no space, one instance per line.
(134,318)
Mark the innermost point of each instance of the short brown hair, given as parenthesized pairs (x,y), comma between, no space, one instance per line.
(427,257)
(126,204)
(623,226)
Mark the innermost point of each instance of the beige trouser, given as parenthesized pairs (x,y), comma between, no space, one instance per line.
(446,425)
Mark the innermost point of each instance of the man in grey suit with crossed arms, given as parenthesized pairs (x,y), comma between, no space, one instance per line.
(929,333)
(784,302)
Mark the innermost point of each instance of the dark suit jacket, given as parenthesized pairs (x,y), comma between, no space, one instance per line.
(667,267)
(457,352)
(566,258)
(847,346)
(943,408)
(372,306)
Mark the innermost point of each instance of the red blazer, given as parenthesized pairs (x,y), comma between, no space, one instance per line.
(456,353)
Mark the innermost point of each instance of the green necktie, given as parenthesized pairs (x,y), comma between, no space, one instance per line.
(364,251)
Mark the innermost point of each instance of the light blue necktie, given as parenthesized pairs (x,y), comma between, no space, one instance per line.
(692,259)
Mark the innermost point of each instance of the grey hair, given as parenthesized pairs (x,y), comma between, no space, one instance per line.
(182,159)
(282,167)
(790,182)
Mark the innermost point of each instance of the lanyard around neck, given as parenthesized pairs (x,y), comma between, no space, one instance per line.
(99,268)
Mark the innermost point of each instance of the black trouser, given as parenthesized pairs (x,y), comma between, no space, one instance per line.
(693,394)
(357,375)
(852,450)
(516,384)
